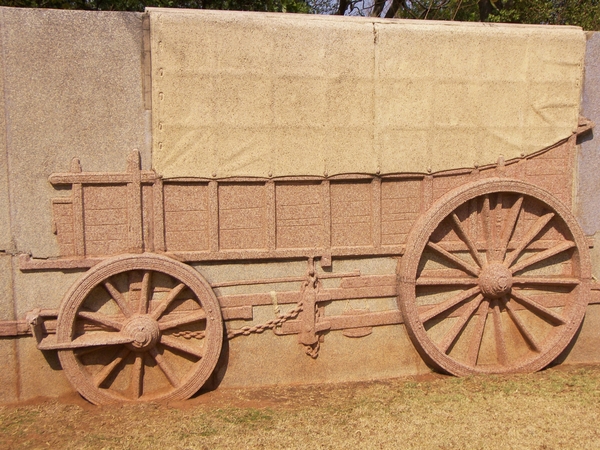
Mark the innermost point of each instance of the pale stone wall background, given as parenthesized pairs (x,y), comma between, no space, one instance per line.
(71,85)
(587,205)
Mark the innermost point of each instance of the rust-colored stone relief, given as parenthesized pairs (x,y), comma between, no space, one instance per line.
(494,273)
(495,278)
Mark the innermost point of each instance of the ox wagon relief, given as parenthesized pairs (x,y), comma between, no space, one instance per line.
(493,272)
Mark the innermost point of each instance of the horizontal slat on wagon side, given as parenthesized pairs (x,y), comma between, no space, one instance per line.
(186,216)
(294,217)
(285,218)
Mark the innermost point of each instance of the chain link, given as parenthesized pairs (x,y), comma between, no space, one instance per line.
(190,334)
(267,325)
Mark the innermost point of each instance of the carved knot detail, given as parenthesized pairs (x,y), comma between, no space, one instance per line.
(495,280)
(143,330)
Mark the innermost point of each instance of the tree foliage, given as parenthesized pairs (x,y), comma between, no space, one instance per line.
(296,6)
(585,13)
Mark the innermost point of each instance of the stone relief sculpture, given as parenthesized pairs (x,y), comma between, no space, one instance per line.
(493,273)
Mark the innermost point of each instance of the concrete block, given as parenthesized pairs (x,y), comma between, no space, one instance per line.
(42,289)
(5,232)
(9,375)
(266,359)
(40,373)
(7,306)
(72,87)
(588,192)
(584,349)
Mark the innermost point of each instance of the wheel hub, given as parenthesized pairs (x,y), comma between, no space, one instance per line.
(495,280)
(143,330)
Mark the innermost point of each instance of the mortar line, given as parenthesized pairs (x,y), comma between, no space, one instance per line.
(374,95)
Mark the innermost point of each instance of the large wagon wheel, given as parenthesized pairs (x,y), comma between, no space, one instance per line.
(139,328)
(495,279)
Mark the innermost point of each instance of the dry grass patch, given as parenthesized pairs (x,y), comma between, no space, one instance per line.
(557,408)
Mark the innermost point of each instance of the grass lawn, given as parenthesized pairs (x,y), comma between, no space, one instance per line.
(557,408)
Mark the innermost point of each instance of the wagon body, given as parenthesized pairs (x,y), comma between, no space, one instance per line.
(249,219)
(109,218)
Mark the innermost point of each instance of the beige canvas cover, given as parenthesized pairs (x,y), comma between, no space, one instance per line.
(253,94)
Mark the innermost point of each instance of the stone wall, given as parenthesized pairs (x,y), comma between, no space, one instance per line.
(72,84)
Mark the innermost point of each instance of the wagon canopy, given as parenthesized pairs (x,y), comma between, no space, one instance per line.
(252,94)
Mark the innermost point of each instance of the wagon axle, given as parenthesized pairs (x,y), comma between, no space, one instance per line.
(495,280)
(144,332)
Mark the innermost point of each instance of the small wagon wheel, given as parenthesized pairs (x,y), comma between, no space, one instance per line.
(495,279)
(139,328)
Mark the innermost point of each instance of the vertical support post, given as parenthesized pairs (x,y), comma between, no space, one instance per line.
(159,215)
(213,216)
(271,216)
(427,189)
(376,211)
(134,187)
(571,152)
(326,208)
(78,224)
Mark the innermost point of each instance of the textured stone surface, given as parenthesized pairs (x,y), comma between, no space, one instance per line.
(585,348)
(5,232)
(40,289)
(72,87)
(9,390)
(79,93)
(247,94)
(7,305)
(588,199)
(266,359)
(9,382)
(40,372)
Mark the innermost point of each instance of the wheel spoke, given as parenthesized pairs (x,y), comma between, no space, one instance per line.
(162,307)
(466,239)
(137,376)
(175,343)
(456,260)
(446,281)
(101,376)
(98,338)
(82,351)
(118,298)
(499,335)
(101,319)
(111,337)
(533,231)
(446,305)
(145,293)
(549,280)
(477,337)
(509,225)
(538,257)
(494,251)
(554,317)
(459,325)
(486,219)
(165,367)
(522,328)
(184,320)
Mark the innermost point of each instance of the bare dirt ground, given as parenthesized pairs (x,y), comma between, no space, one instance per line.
(554,409)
